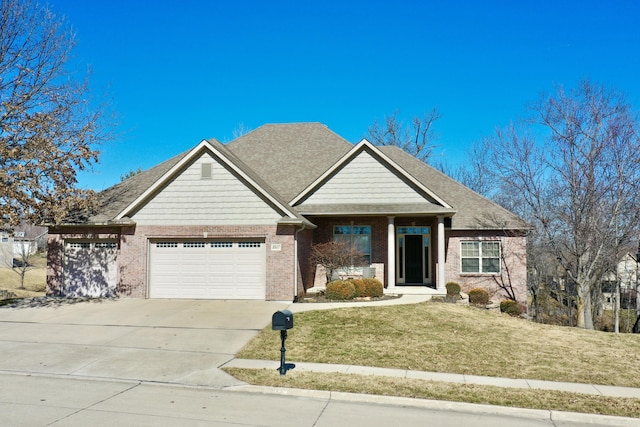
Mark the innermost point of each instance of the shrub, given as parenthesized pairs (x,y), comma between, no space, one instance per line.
(478,296)
(510,307)
(373,288)
(453,289)
(359,285)
(340,290)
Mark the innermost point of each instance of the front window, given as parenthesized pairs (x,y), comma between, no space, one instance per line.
(480,257)
(358,236)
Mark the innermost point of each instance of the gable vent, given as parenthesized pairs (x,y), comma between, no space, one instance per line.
(205,171)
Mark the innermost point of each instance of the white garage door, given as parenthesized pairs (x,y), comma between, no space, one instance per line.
(207,270)
(90,268)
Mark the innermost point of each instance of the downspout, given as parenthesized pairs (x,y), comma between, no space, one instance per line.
(295,262)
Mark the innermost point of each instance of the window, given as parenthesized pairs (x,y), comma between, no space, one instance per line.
(193,244)
(356,235)
(480,257)
(249,244)
(166,245)
(5,238)
(106,245)
(221,244)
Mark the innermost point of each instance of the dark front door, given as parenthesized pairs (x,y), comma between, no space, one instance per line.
(413,259)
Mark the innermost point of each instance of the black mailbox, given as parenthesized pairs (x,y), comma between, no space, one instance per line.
(282,320)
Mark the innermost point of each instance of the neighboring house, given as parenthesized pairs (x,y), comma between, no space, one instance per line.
(6,250)
(28,239)
(237,221)
(627,274)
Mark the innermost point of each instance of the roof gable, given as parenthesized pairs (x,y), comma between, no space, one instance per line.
(366,176)
(474,211)
(215,151)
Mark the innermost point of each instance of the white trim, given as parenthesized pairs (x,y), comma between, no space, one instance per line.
(362,145)
(391,253)
(204,145)
(441,283)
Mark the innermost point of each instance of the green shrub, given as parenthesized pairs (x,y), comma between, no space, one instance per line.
(340,290)
(453,293)
(510,307)
(453,289)
(359,285)
(478,296)
(373,288)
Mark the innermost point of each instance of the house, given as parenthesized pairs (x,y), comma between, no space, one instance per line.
(626,275)
(237,221)
(28,239)
(6,249)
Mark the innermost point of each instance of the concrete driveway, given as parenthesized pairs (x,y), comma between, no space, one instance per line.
(169,341)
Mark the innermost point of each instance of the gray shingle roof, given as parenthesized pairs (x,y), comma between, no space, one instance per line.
(290,156)
(284,159)
(473,210)
(114,199)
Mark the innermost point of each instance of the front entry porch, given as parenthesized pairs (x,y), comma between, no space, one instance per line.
(410,259)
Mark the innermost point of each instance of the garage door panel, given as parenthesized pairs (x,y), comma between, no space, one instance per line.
(90,268)
(209,270)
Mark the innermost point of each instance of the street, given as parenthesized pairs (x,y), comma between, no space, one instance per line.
(37,400)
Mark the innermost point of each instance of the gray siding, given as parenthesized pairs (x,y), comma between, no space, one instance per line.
(220,200)
(364,181)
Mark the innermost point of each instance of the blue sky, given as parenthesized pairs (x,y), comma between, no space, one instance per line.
(181,71)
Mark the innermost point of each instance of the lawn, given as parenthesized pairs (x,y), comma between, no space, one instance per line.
(35,279)
(452,338)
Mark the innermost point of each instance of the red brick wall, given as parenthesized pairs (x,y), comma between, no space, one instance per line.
(133,254)
(514,248)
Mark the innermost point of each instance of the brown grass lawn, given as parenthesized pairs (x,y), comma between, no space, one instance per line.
(456,339)
(35,280)
(451,338)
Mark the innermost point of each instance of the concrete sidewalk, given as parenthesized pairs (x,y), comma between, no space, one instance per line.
(599,390)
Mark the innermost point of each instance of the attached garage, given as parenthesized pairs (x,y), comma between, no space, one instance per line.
(207,269)
(90,268)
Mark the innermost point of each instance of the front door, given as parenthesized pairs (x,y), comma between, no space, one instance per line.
(413,255)
(414,272)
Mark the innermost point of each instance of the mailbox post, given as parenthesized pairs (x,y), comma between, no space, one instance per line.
(282,321)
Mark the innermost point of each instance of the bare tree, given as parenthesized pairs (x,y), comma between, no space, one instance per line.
(416,138)
(131,173)
(22,261)
(240,130)
(49,125)
(578,184)
(335,255)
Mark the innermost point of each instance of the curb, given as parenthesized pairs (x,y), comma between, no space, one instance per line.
(473,408)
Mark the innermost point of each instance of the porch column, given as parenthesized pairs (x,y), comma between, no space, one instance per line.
(440,286)
(391,254)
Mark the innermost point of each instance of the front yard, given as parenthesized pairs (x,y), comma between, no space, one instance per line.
(456,339)
(35,279)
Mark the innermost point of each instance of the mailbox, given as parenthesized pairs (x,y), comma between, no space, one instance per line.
(282,320)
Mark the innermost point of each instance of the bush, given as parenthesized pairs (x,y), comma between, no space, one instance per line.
(373,288)
(478,296)
(340,290)
(359,285)
(510,307)
(453,289)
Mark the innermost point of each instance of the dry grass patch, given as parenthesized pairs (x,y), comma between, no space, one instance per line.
(456,339)
(35,279)
(490,395)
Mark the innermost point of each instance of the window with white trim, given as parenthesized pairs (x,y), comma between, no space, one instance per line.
(480,257)
(357,235)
